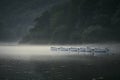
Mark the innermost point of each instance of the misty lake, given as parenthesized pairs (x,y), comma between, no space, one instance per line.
(34,62)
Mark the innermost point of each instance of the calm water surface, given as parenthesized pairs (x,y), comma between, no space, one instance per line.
(39,63)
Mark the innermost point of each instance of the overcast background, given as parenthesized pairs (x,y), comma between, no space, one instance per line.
(17,16)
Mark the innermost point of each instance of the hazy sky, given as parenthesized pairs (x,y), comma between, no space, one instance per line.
(18,15)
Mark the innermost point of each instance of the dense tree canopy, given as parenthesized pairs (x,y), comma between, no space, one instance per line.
(77,21)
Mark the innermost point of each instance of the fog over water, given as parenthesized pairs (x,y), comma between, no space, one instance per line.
(38,62)
(28,51)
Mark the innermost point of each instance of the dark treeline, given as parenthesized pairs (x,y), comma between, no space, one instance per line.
(77,21)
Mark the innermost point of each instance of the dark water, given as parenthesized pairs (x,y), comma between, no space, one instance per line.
(61,68)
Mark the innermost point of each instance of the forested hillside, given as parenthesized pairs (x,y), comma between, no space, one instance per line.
(77,21)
